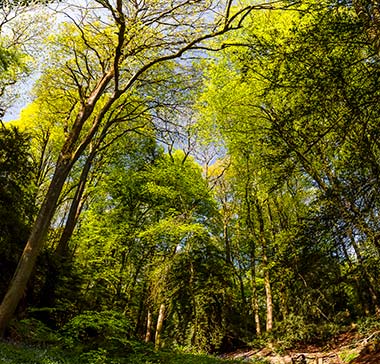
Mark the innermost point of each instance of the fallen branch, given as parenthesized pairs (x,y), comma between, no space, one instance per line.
(367,339)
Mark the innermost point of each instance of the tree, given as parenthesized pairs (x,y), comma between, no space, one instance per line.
(16,196)
(150,219)
(304,81)
(12,58)
(325,125)
(114,57)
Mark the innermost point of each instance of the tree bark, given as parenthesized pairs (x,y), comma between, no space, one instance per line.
(194,304)
(148,334)
(267,283)
(62,248)
(227,242)
(255,303)
(251,229)
(69,154)
(268,292)
(160,323)
(33,246)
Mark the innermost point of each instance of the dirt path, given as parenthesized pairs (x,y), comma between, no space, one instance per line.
(273,358)
(347,348)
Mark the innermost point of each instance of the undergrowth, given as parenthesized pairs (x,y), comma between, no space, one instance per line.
(107,338)
(91,338)
(21,354)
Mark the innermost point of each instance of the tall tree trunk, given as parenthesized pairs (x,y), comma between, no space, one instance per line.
(267,283)
(160,323)
(255,302)
(251,230)
(194,304)
(74,145)
(60,257)
(33,246)
(69,154)
(268,292)
(283,301)
(76,206)
(226,238)
(241,285)
(148,334)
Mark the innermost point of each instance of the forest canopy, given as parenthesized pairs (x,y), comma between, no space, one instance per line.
(195,174)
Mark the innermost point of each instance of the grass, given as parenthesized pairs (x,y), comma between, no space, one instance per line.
(111,344)
(16,354)
(21,354)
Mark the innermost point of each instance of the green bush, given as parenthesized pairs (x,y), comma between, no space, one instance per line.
(21,354)
(98,356)
(168,357)
(108,330)
(34,332)
(368,325)
(295,330)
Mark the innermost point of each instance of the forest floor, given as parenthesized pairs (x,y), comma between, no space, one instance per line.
(346,348)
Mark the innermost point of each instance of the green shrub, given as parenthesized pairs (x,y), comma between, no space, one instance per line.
(34,332)
(108,330)
(368,325)
(99,356)
(21,354)
(295,330)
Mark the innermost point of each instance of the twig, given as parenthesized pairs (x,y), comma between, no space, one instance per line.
(365,340)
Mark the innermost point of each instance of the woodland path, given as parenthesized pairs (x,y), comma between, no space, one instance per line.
(347,348)
(311,357)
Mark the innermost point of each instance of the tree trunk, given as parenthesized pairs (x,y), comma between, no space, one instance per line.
(160,323)
(194,304)
(267,284)
(226,239)
(148,334)
(268,292)
(61,253)
(70,152)
(33,246)
(251,229)
(283,301)
(62,248)
(255,303)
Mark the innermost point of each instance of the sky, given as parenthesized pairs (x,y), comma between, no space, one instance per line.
(48,20)
(22,101)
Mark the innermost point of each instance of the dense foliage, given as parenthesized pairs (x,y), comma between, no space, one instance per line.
(17,208)
(202,183)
